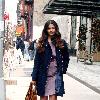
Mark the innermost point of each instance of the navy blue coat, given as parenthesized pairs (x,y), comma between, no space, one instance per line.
(40,68)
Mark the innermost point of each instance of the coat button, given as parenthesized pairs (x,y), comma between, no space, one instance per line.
(62,61)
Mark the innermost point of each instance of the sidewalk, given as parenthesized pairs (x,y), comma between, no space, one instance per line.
(88,75)
(74,90)
(17,84)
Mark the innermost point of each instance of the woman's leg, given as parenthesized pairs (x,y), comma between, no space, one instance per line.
(43,97)
(52,97)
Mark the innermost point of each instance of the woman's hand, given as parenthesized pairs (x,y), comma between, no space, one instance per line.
(33,82)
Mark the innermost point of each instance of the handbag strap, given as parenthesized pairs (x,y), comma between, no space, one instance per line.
(33,89)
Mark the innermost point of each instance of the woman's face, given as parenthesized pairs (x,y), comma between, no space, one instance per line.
(51,30)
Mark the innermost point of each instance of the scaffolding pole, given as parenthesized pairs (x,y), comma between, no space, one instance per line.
(2,82)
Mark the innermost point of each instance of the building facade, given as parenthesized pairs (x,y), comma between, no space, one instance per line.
(25,18)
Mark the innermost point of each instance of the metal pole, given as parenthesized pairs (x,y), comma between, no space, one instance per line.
(2,82)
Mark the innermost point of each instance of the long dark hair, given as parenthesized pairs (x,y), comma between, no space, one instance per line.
(56,39)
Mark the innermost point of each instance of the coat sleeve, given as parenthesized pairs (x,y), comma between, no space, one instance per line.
(36,65)
(66,59)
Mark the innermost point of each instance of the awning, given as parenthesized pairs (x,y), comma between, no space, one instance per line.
(85,8)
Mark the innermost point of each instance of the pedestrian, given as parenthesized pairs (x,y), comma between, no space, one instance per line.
(20,45)
(35,44)
(31,49)
(26,51)
(50,63)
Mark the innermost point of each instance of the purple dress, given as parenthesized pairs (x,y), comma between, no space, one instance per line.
(52,68)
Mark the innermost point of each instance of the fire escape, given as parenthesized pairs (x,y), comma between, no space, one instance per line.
(25,13)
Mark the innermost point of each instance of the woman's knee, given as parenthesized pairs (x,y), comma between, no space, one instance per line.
(52,97)
(43,98)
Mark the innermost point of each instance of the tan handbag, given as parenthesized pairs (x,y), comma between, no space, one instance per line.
(31,94)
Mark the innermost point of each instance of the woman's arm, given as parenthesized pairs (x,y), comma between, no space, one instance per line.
(36,66)
(66,59)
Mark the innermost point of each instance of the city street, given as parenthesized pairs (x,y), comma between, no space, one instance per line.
(27,26)
(75,87)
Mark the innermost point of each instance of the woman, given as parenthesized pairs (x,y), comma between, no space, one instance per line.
(50,63)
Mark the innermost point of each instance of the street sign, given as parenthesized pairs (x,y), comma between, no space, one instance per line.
(6,16)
